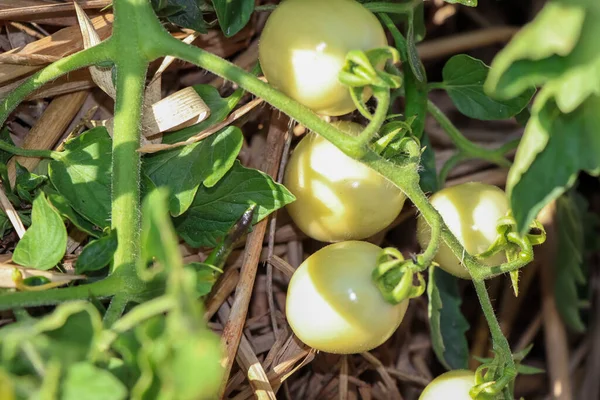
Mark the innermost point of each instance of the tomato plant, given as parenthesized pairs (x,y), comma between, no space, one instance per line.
(120,203)
(333,306)
(453,385)
(337,197)
(304,45)
(471,211)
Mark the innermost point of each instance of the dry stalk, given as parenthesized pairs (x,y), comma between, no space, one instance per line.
(343,379)
(222,289)
(389,382)
(408,377)
(278,121)
(33,10)
(462,42)
(31,60)
(11,213)
(555,336)
(153,148)
(7,282)
(281,265)
(237,318)
(64,42)
(250,364)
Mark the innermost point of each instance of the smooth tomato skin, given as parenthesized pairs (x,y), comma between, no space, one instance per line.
(304,44)
(332,304)
(471,212)
(452,385)
(338,198)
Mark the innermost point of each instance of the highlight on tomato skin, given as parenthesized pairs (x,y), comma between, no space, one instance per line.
(337,197)
(332,304)
(471,212)
(452,385)
(304,45)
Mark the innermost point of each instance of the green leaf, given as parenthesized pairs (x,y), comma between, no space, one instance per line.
(554,148)
(184,169)
(83,175)
(4,223)
(27,182)
(413,57)
(97,254)
(538,52)
(219,110)
(45,242)
(464,77)
(68,334)
(570,222)
(64,208)
(446,323)
(418,21)
(185,13)
(558,49)
(8,190)
(84,381)
(5,137)
(529,370)
(216,209)
(233,15)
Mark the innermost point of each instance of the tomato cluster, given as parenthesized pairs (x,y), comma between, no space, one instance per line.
(332,303)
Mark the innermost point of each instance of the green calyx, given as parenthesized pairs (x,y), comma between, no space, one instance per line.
(395,277)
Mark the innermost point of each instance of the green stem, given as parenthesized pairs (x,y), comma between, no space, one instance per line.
(29,152)
(21,314)
(452,162)
(500,343)
(465,146)
(115,309)
(143,312)
(223,68)
(101,290)
(93,55)
(136,316)
(131,64)
(372,129)
(436,85)
(415,91)
(34,358)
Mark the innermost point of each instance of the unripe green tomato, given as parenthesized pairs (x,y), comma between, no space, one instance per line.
(304,44)
(337,197)
(452,385)
(471,212)
(333,305)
